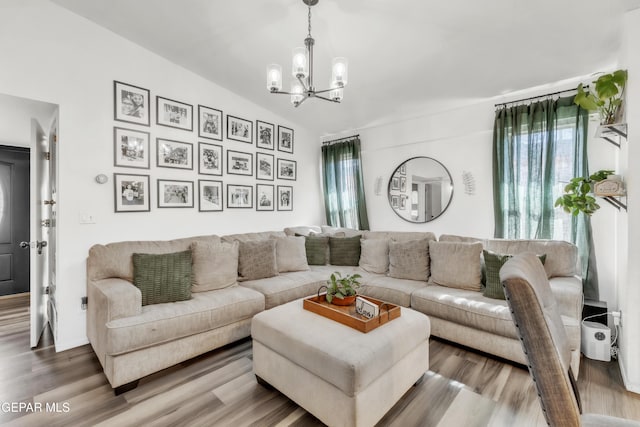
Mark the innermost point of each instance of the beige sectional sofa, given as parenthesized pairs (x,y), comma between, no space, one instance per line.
(132,341)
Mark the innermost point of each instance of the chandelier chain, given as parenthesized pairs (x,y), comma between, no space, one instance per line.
(309,18)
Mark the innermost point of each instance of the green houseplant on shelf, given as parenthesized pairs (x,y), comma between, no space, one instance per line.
(342,290)
(578,195)
(605,96)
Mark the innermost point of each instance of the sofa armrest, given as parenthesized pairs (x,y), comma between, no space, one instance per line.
(567,291)
(109,299)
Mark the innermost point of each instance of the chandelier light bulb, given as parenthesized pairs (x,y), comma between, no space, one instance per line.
(336,93)
(299,69)
(339,71)
(274,77)
(296,93)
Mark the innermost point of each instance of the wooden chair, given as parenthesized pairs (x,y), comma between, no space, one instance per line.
(544,341)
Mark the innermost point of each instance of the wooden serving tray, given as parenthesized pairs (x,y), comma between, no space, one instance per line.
(347,314)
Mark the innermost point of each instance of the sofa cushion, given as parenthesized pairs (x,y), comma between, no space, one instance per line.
(493,262)
(215,265)
(161,323)
(348,232)
(316,248)
(390,289)
(252,237)
(456,264)
(409,259)
(257,259)
(114,260)
(398,236)
(163,277)
(291,254)
(344,250)
(287,286)
(374,255)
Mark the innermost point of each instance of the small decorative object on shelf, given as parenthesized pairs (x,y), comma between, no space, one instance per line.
(611,186)
(342,290)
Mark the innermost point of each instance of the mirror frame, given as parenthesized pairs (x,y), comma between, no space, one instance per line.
(395,171)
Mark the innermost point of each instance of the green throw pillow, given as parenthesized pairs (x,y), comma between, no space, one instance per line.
(163,277)
(493,263)
(344,250)
(316,248)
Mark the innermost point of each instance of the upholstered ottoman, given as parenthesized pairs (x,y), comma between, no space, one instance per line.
(340,375)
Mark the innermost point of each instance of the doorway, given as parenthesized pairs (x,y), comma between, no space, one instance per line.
(14,220)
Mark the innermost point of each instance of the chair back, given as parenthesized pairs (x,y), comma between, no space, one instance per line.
(543,337)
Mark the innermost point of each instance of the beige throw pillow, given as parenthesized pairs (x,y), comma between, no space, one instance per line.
(374,255)
(257,259)
(456,265)
(215,265)
(291,254)
(409,259)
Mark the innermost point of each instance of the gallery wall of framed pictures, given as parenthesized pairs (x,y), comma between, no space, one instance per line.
(210,166)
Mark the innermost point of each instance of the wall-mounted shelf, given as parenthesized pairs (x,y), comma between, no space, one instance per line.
(609,132)
(616,201)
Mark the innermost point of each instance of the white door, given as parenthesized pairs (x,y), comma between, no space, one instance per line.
(52,206)
(39,177)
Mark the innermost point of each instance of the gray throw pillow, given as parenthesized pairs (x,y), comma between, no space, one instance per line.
(344,250)
(456,265)
(316,248)
(162,277)
(374,255)
(409,259)
(257,259)
(215,265)
(291,254)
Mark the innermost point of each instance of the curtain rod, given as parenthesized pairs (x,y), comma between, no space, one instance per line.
(536,97)
(340,139)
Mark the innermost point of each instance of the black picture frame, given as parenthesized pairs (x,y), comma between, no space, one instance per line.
(174,114)
(265,166)
(285,198)
(170,191)
(239,196)
(285,139)
(287,169)
(239,129)
(210,196)
(131,192)
(131,104)
(210,159)
(265,194)
(174,154)
(210,123)
(239,163)
(131,148)
(265,135)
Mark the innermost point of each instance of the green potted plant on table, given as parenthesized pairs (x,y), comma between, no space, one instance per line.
(342,290)
(605,96)
(578,194)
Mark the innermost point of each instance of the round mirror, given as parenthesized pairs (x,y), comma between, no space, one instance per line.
(420,189)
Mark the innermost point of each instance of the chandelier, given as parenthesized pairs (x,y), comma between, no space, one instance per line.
(302,70)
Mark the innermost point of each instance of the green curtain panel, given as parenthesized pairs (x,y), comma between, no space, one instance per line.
(537,149)
(343,185)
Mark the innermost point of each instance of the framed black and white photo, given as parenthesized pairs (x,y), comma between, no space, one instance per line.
(264,197)
(403,184)
(285,198)
(395,183)
(175,194)
(131,192)
(239,196)
(131,148)
(209,196)
(209,123)
(174,154)
(239,129)
(287,169)
(174,114)
(403,202)
(395,201)
(265,135)
(209,159)
(285,139)
(131,104)
(264,166)
(402,170)
(239,163)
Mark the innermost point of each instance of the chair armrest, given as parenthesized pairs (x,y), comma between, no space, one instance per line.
(109,299)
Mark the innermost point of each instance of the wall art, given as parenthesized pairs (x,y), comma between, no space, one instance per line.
(209,123)
(209,159)
(265,135)
(285,139)
(264,197)
(209,196)
(131,192)
(174,114)
(239,196)
(239,163)
(130,148)
(285,198)
(264,166)
(131,103)
(239,129)
(174,154)
(287,169)
(175,194)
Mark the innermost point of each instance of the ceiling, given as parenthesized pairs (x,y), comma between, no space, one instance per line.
(405,57)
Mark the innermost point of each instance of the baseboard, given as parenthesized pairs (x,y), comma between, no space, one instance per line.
(634,388)
(20,295)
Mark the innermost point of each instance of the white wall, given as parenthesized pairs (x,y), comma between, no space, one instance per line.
(16,113)
(51,54)
(629,225)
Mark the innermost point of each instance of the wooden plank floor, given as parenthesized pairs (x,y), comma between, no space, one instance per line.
(463,388)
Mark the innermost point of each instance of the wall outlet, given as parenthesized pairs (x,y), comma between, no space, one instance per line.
(83,303)
(87,218)
(617,318)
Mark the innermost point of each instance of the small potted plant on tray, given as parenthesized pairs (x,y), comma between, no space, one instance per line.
(342,290)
